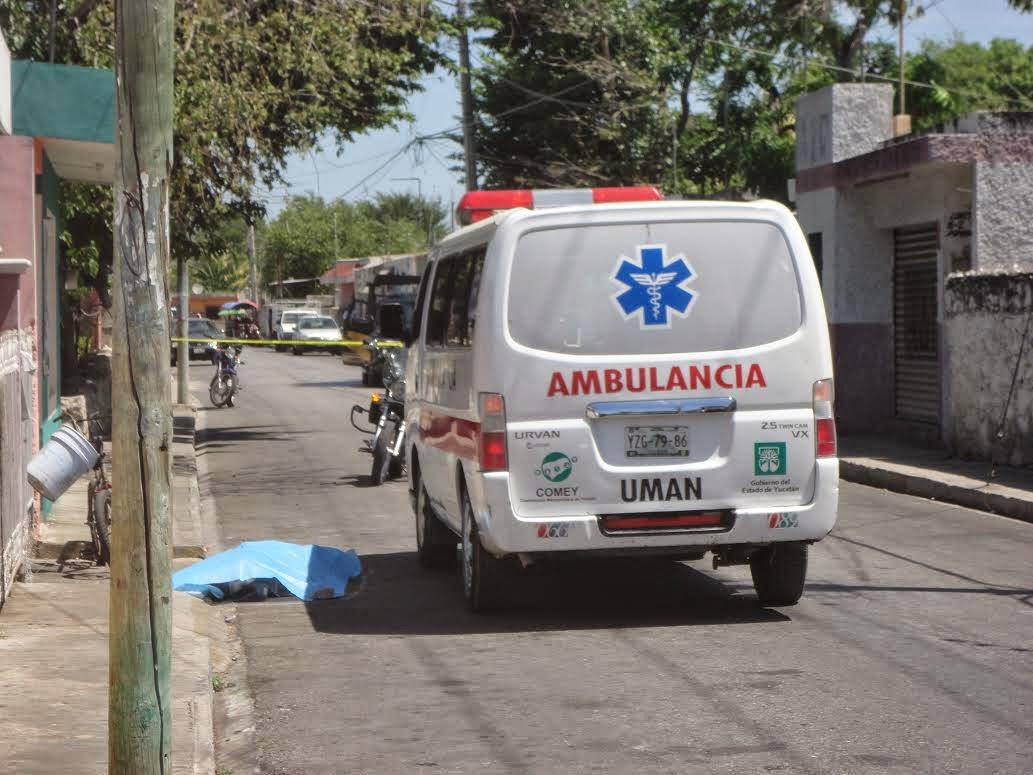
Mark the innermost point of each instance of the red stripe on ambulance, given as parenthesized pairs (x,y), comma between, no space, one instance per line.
(737,376)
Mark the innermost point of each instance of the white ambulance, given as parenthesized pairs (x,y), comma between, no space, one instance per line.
(616,377)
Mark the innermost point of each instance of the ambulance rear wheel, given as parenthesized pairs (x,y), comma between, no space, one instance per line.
(487,580)
(779,572)
(435,543)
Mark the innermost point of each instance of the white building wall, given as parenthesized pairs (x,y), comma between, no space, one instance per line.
(987,317)
(5,87)
(1003,223)
(816,212)
(842,120)
(940,193)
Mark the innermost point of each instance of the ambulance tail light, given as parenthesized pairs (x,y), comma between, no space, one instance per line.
(477,205)
(824,421)
(491,444)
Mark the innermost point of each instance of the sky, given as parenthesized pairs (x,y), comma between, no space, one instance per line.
(365,167)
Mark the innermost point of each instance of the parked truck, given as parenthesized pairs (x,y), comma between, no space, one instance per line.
(360,320)
(273,322)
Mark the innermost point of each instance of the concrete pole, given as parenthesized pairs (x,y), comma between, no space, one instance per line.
(901,9)
(252,263)
(182,347)
(140,633)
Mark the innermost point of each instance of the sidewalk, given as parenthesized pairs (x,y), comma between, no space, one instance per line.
(929,473)
(54,645)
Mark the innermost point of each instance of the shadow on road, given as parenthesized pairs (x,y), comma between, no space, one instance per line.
(337,383)
(397,596)
(220,437)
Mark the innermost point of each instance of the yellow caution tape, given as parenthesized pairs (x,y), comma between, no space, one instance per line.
(292,342)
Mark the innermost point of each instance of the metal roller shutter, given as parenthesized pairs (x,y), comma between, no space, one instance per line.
(915,336)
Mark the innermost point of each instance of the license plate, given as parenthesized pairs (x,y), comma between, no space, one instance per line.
(197,349)
(656,441)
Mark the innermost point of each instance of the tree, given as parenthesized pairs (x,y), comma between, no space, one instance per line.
(255,82)
(568,95)
(969,77)
(303,241)
(696,95)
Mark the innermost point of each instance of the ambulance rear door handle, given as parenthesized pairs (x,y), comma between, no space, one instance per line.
(663,406)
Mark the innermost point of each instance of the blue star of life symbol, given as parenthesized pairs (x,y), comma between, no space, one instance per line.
(654,287)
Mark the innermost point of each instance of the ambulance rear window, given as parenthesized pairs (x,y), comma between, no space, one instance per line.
(659,288)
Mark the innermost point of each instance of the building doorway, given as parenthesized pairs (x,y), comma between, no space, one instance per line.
(915,334)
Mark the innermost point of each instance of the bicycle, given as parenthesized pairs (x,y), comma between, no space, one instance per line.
(98,506)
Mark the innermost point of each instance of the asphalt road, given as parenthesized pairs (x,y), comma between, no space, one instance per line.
(911,651)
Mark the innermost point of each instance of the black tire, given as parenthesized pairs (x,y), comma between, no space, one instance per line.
(487,580)
(435,543)
(214,395)
(365,377)
(381,459)
(779,572)
(102,525)
(232,397)
(224,398)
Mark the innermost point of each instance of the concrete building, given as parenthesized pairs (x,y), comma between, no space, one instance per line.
(924,244)
(56,122)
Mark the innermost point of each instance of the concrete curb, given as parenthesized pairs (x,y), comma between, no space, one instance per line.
(193,696)
(234,710)
(948,488)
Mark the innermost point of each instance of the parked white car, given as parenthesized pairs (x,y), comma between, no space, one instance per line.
(317,332)
(284,328)
(626,378)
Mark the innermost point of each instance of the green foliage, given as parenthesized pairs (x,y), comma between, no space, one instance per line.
(219,272)
(968,77)
(304,240)
(696,95)
(570,94)
(255,82)
(87,242)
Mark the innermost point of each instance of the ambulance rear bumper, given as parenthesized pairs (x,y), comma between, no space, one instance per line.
(503,532)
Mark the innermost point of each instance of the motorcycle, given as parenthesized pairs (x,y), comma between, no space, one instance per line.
(248,329)
(225,383)
(386,413)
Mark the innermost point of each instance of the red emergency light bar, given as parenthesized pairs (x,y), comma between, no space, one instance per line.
(478,205)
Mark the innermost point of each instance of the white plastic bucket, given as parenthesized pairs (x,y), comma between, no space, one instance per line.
(63,459)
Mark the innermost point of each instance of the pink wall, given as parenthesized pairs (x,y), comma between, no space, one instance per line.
(17,226)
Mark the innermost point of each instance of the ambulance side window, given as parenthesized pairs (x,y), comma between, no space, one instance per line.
(476,267)
(440,299)
(421,302)
(466,278)
(457,316)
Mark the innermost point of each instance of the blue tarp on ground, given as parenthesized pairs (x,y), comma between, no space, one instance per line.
(308,571)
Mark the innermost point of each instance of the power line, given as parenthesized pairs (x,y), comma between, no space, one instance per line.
(836,68)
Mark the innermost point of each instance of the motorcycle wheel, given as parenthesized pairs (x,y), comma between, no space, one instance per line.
(381,459)
(221,394)
(397,468)
(215,392)
(231,389)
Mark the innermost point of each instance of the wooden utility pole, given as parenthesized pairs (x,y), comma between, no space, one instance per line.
(140,644)
(469,148)
(252,261)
